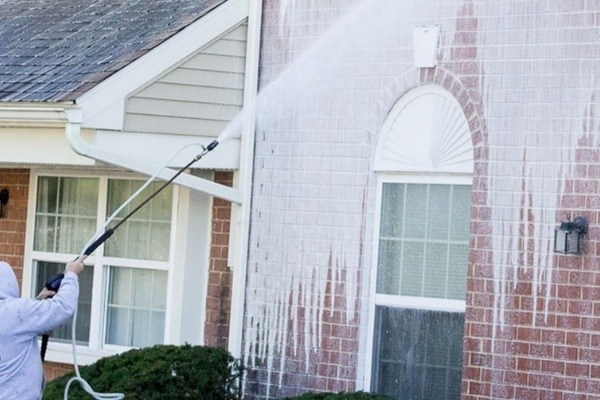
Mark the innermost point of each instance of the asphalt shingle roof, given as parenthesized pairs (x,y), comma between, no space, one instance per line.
(56,50)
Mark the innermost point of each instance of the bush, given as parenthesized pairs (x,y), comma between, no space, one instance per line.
(159,372)
(339,396)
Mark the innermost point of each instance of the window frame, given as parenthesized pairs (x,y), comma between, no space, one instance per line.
(96,348)
(376,299)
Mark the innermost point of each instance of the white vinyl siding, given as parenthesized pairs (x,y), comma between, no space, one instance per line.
(198,97)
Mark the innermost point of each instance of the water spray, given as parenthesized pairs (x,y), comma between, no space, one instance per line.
(98,239)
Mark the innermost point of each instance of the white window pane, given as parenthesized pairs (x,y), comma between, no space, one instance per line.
(117,326)
(138,235)
(392,209)
(460,218)
(44,233)
(436,270)
(414,221)
(140,328)
(146,234)
(117,244)
(160,233)
(66,235)
(412,269)
(145,306)
(67,196)
(438,207)
(85,229)
(65,213)
(88,197)
(142,288)
(457,279)
(46,194)
(161,206)
(388,279)
(120,286)
(157,327)
(159,290)
(119,191)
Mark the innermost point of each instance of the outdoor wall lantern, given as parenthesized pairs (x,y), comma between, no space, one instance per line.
(568,236)
(3,200)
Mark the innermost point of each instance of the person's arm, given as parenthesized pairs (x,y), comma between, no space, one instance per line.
(55,309)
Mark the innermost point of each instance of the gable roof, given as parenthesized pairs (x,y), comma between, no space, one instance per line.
(56,50)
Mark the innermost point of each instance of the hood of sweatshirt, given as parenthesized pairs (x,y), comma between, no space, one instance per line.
(9,287)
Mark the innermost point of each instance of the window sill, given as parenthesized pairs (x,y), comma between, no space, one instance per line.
(63,353)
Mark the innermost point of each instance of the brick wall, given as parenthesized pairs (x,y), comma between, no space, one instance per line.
(310,215)
(218,300)
(525,73)
(531,328)
(12,223)
(56,370)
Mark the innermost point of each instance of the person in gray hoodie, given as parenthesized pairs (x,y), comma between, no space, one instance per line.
(21,321)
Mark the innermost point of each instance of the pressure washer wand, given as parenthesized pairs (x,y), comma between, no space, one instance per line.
(54,282)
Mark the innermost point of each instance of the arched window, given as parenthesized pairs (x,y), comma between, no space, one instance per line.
(424,162)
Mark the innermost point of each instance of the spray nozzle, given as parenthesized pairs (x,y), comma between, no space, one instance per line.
(212,145)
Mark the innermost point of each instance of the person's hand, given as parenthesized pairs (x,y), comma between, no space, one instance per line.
(45,294)
(75,266)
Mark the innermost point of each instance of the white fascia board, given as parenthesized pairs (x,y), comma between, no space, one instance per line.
(38,145)
(170,149)
(35,134)
(27,115)
(103,105)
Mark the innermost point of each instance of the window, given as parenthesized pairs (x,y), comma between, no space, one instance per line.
(423,250)
(424,161)
(125,289)
(424,240)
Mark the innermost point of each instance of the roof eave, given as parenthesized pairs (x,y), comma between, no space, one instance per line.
(103,104)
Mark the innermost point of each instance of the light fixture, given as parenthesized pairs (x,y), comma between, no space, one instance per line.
(568,236)
(3,200)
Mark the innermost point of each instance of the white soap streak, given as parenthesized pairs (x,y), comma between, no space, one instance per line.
(312,168)
(533,115)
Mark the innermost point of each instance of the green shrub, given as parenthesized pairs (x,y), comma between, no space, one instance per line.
(159,372)
(339,396)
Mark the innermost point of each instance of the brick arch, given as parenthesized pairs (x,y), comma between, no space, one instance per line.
(439,76)
(471,106)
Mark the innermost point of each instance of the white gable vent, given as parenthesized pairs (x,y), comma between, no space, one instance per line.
(426,131)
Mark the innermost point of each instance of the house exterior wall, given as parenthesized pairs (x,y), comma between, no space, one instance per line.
(12,244)
(525,74)
(198,97)
(14,213)
(218,298)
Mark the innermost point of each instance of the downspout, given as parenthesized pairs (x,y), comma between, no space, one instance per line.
(240,218)
(80,146)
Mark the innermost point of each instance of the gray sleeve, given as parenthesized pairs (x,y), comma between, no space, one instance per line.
(44,315)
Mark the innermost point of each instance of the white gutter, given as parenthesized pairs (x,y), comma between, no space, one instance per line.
(240,214)
(73,119)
